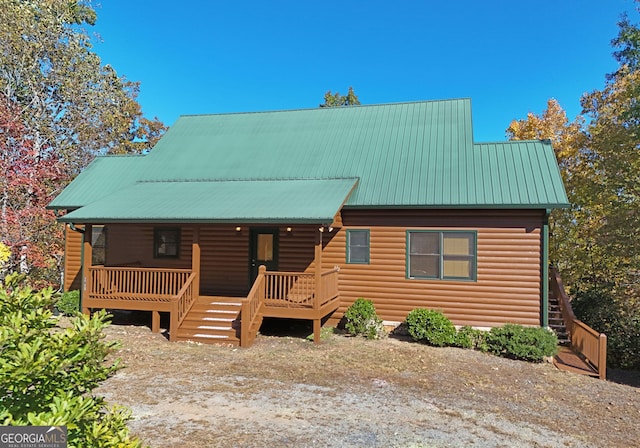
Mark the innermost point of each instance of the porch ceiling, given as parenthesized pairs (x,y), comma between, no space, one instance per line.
(242,201)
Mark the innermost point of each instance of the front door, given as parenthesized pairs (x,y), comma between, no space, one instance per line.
(263,250)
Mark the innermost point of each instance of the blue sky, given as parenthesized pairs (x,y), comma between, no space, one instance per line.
(508,56)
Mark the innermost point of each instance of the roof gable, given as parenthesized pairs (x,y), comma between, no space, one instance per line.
(418,154)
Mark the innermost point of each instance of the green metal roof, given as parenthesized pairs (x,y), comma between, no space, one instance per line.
(102,177)
(418,154)
(293,201)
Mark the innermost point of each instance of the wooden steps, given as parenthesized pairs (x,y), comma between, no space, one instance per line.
(566,359)
(212,320)
(556,322)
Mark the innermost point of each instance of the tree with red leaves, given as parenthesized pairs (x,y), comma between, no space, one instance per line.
(28,185)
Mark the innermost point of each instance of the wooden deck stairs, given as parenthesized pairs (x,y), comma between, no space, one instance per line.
(212,320)
(556,322)
(581,349)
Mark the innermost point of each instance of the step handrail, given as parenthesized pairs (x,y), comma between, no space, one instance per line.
(589,343)
(251,314)
(181,305)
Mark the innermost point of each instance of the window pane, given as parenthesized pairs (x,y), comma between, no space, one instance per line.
(358,254)
(424,242)
(357,238)
(265,247)
(457,244)
(98,245)
(424,266)
(457,268)
(357,246)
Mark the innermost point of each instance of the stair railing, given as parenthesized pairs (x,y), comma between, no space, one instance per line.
(584,339)
(251,314)
(181,304)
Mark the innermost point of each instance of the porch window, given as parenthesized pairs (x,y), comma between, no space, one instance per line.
(358,246)
(99,245)
(441,255)
(166,242)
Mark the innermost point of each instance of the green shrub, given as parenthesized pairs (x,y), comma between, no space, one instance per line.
(69,303)
(361,320)
(468,337)
(525,343)
(48,373)
(430,327)
(617,314)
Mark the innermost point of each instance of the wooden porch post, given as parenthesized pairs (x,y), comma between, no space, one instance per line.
(195,260)
(87,255)
(318,286)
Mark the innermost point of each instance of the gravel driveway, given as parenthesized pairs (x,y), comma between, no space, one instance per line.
(349,392)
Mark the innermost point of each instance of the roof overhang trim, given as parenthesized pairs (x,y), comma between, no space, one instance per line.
(296,201)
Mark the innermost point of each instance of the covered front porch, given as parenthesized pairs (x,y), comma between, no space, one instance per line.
(211,316)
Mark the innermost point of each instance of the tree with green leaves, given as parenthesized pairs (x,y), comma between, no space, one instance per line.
(48,373)
(60,106)
(71,103)
(337,100)
(595,243)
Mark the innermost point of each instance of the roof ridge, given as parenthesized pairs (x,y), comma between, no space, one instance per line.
(304,109)
(508,142)
(261,179)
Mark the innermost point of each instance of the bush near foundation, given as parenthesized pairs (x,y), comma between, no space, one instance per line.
(361,320)
(524,343)
(510,340)
(430,327)
(47,374)
(469,337)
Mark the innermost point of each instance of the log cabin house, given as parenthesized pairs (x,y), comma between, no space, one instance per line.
(231,218)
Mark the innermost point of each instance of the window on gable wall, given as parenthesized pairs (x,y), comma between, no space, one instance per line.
(441,255)
(358,246)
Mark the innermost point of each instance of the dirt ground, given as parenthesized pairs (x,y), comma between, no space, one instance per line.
(349,392)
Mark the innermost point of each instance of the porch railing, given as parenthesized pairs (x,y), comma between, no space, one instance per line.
(143,284)
(290,289)
(328,286)
(584,339)
(286,294)
(143,289)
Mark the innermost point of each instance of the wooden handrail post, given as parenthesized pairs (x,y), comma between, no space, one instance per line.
(244,326)
(173,322)
(602,356)
(87,255)
(318,271)
(250,312)
(195,260)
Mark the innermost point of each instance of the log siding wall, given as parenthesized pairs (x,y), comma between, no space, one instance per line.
(508,285)
(507,288)
(72,259)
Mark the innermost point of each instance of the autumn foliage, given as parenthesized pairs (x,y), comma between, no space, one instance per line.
(595,242)
(60,106)
(32,176)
